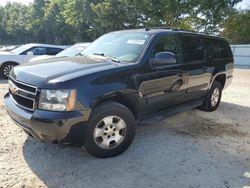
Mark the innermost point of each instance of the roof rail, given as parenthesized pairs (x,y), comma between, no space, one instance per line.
(169,28)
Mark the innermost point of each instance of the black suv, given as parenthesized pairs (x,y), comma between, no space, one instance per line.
(97,98)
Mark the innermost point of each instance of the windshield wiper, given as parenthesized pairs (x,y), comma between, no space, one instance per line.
(81,54)
(108,57)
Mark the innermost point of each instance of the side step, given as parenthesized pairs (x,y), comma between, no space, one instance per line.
(156,118)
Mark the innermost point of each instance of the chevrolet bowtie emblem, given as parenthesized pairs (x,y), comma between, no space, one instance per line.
(13,89)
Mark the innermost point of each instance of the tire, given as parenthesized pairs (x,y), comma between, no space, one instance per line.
(213,97)
(109,122)
(6,68)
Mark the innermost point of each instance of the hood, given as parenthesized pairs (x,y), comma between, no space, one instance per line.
(5,53)
(59,69)
(40,57)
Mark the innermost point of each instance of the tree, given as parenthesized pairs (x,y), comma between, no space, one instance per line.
(70,21)
(37,13)
(111,14)
(15,21)
(206,16)
(2,28)
(209,16)
(79,15)
(237,28)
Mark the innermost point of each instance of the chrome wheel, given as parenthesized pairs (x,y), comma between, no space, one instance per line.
(110,132)
(215,97)
(6,70)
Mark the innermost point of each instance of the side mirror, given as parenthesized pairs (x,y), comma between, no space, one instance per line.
(162,59)
(30,53)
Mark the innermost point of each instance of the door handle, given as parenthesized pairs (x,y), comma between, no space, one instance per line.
(181,73)
(205,69)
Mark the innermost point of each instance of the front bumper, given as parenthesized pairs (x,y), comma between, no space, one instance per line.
(46,125)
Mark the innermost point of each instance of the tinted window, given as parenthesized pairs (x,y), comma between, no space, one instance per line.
(36,51)
(192,48)
(218,49)
(123,46)
(53,51)
(165,44)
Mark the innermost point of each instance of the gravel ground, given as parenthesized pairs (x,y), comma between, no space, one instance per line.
(192,149)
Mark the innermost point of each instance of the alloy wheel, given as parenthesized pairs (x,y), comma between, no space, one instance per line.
(215,97)
(6,70)
(110,132)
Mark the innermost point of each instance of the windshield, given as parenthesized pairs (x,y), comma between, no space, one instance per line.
(72,51)
(20,49)
(125,47)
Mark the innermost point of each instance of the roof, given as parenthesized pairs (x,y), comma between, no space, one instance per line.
(84,44)
(156,30)
(47,45)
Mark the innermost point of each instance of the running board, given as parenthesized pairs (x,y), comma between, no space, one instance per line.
(156,118)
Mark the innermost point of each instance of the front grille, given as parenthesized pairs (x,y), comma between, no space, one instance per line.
(23,95)
(24,87)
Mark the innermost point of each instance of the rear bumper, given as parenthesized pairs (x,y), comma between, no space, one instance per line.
(45,125)
(229,80)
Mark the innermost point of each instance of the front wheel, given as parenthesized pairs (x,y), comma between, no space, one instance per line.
(213,97)
(110,131)
(6,68)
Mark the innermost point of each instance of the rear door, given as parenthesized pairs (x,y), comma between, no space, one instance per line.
(194,59)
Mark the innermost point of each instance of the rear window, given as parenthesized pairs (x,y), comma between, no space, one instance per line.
(53,51)
(218,48)
(192,48)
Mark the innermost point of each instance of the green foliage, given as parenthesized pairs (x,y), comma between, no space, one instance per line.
(15,23)
(210,15)
(70,21)
(237,28)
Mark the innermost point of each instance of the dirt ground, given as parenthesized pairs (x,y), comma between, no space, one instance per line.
(192,149)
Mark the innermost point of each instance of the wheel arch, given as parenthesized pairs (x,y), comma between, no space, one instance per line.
(14,62)
(220,77)
(2,67)
(129,100)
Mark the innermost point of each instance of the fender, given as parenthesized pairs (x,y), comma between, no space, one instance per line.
(14,62)
(228,73)
(129,98)
(216,75)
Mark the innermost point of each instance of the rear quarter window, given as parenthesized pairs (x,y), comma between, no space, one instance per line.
(218,48)
(53,51)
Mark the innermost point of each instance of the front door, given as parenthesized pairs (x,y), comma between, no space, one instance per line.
(163,86)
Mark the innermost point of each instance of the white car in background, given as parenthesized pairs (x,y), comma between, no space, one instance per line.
(22,54)
(8,47)
(69,52)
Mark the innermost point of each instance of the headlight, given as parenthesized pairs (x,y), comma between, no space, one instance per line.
(57,100)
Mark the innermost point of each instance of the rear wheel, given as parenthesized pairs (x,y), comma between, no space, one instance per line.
(6,68)
(213,97)
(110,131)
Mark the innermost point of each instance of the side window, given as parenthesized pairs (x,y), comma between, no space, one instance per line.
(218,49)
(53,51)
(192,48)
(39,51)
(36,51)
(165,44)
